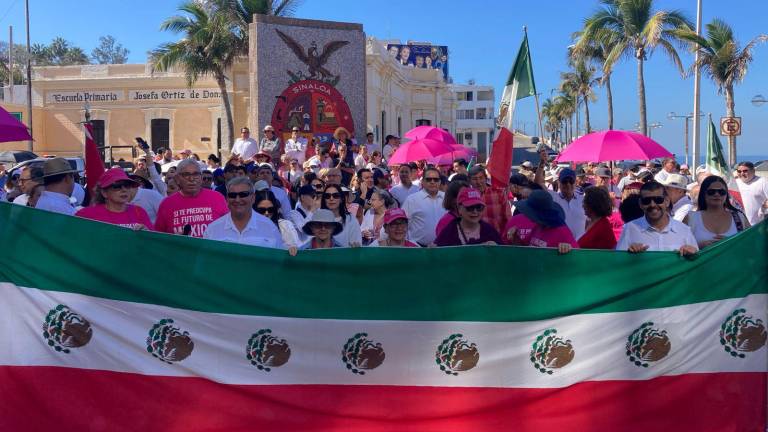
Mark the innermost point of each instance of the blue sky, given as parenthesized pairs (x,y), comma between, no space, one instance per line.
(483,37)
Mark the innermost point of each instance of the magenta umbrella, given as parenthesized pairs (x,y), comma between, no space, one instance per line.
(612,145)
(459,152)
(430,132)
(12,129)
(419,149)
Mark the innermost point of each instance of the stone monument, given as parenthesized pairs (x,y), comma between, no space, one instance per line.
(307,74)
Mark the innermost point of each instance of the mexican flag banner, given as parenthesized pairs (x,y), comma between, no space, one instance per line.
(105,328)
(520,84)
(715,159)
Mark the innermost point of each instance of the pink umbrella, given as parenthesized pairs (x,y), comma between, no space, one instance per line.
(459,152)
(612,145)
(419,149)
(430,132)
(12,129)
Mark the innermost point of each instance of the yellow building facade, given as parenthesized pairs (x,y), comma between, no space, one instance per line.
(128,101)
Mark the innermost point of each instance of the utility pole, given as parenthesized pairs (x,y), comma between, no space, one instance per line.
(673,116)
(10,64)
(696,96)
(29,80)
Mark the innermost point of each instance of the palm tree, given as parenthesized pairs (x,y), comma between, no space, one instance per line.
(721,59)
(553,124)
(566,108)
(240,15)
(215,33)
(206,49)
(579,83)
(596,51)
(638,30)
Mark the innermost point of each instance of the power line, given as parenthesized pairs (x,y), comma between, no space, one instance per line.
(5,15)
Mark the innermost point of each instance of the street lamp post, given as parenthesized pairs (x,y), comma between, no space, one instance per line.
(651,127)
(673,116)
(759,100)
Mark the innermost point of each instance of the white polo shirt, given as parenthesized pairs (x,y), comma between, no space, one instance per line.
(260,231)
(55,202)
(296,149)
(753,195)
(574,212)
(246,148)
(681,208)
(401,193)
(671,238)
(424,212)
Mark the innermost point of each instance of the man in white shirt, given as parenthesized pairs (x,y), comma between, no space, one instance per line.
(656,231)
(296,146)
(425,208)
(245,146)
(304,208)
(677,190)
(669,166)
(754,192)
(59,180)
(28,178)
(571,202)
(370,145)
(242,224)
(145,197)
(406,187)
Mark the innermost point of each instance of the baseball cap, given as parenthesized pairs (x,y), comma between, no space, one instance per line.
(295,129)
(261,185)
(469,197)
(112,176)
(394,214)
(566,173)
(675,181)
(269,128)
(527,164)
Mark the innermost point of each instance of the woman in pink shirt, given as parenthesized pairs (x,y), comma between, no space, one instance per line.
(550,230)
(112,194)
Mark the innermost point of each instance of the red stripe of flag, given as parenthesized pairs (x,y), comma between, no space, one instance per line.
(94,165)
(63,399)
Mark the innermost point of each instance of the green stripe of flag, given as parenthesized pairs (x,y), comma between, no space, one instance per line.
(496,284)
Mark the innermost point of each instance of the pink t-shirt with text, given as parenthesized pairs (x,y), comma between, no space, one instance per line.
(177,211)
(524,227)
(552,237)
(132,217)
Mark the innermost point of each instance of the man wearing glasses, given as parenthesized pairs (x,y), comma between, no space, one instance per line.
(242,224)
(190,211)
(29,178)
(754,192)
(656,230)
(245,146)
(425,208)
(571,202)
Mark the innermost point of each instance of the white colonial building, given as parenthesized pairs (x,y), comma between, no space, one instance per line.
(474,116)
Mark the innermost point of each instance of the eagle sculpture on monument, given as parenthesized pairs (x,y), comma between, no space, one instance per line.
(312,58)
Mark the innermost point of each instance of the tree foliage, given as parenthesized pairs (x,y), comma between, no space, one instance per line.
(109,51)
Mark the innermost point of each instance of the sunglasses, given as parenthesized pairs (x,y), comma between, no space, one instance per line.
(713,192)
(648,200)
(323,225)
(118,186)
(334,195)
(475,208)
(432,179)
(317,186)
(264,210)
(233,195)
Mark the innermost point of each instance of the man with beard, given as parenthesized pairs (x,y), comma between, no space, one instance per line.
(656,231)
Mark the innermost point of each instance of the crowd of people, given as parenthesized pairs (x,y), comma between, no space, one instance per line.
(302,195)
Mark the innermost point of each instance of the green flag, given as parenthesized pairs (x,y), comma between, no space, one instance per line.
(715,161)
(520,84)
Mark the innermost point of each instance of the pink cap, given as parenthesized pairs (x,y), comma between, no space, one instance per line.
(112,176)
(394,214)
(469,197)
(186,151)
